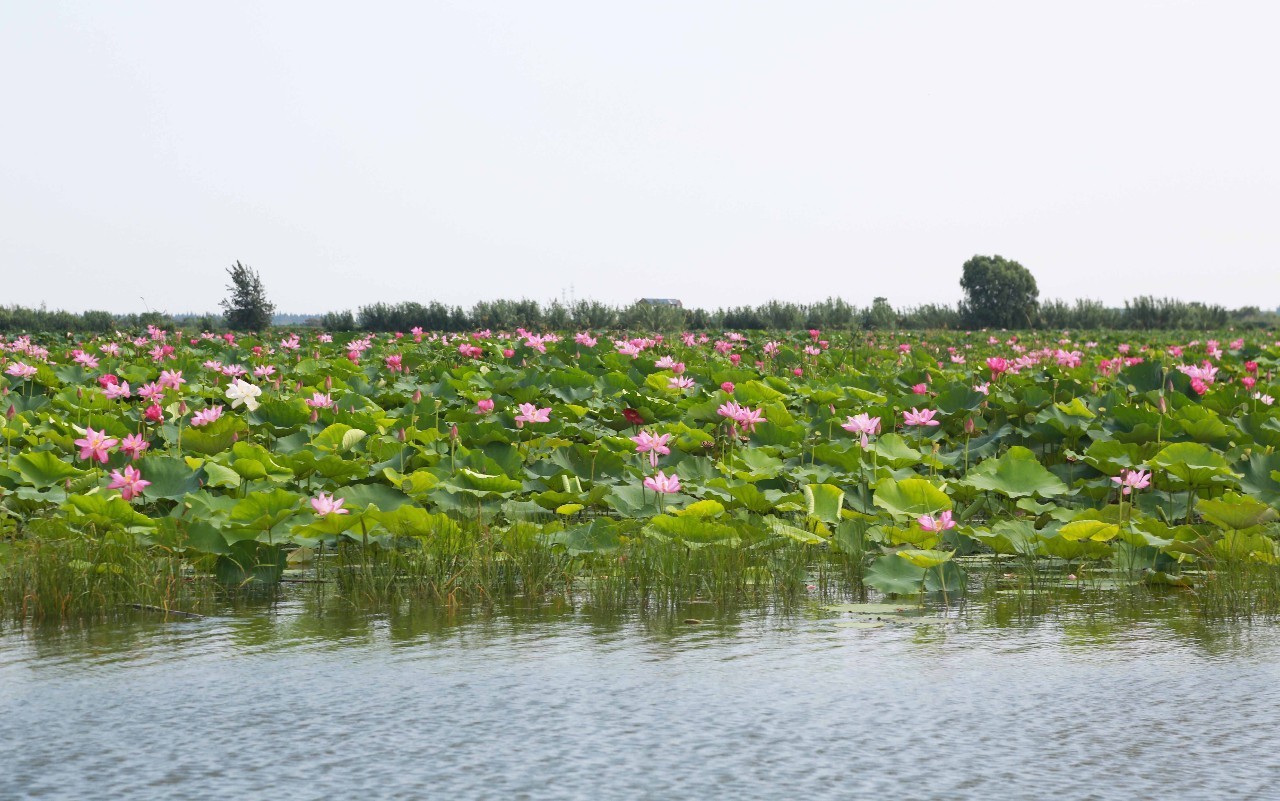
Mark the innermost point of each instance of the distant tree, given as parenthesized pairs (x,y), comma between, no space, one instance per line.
(999,293)
(880,315)
(247,307)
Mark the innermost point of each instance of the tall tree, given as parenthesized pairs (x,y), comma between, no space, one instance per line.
(998,293)
(247,307)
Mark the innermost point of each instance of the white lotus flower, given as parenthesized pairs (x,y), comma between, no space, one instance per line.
(242,391)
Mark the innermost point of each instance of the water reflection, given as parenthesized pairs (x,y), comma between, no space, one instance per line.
(1131,697)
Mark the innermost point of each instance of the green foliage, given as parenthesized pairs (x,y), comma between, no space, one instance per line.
(998,293)
(246,308)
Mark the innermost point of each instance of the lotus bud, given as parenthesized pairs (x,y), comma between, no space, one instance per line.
(417,396)
(11,413)
(1164,407)
(297,385)
(400,434)
(453,432)
(328,383)
(969,425)
(315,415)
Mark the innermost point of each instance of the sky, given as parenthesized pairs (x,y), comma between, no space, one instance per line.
(722,153)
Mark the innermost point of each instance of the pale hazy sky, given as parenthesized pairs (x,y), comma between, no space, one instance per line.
(718,152)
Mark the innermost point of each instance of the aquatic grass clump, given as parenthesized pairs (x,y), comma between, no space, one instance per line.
(55,575)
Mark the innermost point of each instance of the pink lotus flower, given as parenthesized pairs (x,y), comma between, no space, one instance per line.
(206,416)
(997,365)
(532,414)
(584,338)
(394,364)
(920,389)
(1133,479)
(320,400)
(134,445)
(129,481)
(663,484)
(95,445)
(107,379)
(1199,386)
(653,444)
(680,382)
(507,353)
(325,504)
(264,371)
(863,424)
(749,418)
(941,523)
(920,417)
(727,387)
(117,391)
(484,406)
(153,413)
(171,379)
(745,417)
(20,370)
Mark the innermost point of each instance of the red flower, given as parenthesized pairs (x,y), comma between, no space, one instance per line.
(633,417)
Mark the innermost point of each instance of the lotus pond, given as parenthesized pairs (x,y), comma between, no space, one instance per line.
(174,470)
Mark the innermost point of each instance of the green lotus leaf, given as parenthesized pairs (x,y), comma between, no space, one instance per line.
(1235,511)
(824,501)
(43,468)
(249,562)
(706,509)
(107,511)
(1095,530)
(925,558)
(171,477)
(1194,464)
(598,536)
(263,511)
(910,497)
(338,438)
(1016,474)
(793,532)
(893,450)
(894,576)
(359,497)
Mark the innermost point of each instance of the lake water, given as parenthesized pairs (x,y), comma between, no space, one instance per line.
(292,703)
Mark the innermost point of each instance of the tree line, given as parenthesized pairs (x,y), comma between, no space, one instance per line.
(1141,313)
(998,293)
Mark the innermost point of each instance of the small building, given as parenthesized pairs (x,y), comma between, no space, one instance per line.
(662,302)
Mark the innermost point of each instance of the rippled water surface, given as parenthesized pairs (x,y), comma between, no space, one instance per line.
(289,703)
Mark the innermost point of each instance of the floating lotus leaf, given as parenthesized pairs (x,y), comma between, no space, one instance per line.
(894,576)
